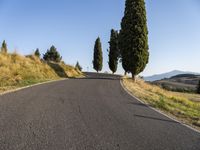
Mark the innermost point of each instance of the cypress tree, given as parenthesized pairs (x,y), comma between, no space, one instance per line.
(133,40)
(37,53)
(4,48)
(78,66)
(98,56)
(114,51)
(198,88)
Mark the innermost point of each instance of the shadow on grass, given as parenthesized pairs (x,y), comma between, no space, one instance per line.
(156,119)
(58,69)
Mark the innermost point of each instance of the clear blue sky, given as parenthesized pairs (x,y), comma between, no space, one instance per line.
(73,25)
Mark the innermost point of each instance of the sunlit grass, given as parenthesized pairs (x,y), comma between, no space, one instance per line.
(180,105)
(17,71)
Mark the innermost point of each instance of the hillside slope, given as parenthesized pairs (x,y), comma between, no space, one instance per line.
(17,71)
(167,75)
(182,83)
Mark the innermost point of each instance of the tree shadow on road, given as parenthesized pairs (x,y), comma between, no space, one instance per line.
(157,119)
(95,78)
(138,104)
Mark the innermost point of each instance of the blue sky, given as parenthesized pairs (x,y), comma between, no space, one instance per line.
(73,25)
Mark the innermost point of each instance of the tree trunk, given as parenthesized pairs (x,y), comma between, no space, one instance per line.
(134,77)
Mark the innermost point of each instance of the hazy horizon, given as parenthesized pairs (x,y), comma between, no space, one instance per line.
(73,27)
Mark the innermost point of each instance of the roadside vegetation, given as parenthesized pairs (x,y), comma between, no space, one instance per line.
(129,44)
(98,55)
(18,71)
(132,44)
(184,106)
(114,52)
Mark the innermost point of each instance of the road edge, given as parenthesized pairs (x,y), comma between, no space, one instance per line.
(158,111)
(33,85)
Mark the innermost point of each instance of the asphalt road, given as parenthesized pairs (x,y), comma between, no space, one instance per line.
(87,114)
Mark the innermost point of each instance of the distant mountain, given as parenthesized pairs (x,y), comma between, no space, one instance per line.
(168,75)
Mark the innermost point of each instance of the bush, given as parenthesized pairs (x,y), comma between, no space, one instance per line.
(52,55)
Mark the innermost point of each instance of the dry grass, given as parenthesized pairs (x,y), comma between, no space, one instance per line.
(192,97)
(177,104)
(71,71)
(17,71)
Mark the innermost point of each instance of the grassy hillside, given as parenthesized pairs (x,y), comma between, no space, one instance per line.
(181,83)
(185,107)
(17,71)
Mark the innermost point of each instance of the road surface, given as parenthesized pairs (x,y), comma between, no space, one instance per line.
(94,113)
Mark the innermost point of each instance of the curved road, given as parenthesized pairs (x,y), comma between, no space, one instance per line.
(94,113)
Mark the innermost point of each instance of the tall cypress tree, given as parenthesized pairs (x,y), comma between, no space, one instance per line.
(4,48)
(98,57)
(114,51)
(133,38)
